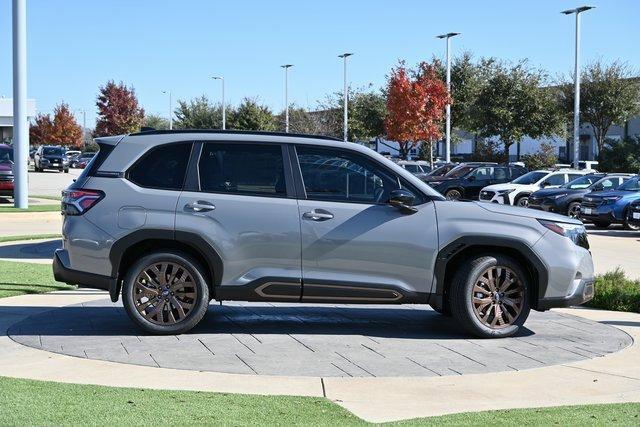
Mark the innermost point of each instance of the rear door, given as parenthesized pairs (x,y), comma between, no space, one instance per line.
(239,198)
(355,247)
(477,180)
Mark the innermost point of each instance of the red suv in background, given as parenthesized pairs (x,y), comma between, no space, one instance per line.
(6,170)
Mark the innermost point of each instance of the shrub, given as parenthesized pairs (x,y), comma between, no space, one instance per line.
(544,158)
(620,156)
(614,291)
(488,151)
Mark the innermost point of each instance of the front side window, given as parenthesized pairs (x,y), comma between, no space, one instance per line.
(482,173)
(251,169)
(163,167)
(557,179)
(338,175)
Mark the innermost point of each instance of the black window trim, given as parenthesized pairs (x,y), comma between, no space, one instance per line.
(151,150)
(302,193)
(193,171)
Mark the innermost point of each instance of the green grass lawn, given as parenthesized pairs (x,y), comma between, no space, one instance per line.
(18,278)
(26,402)
(4,239)
(32,208)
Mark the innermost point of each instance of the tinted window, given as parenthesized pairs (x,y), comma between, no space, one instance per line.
(582,182)
(482,173)
(52,151)
(459,171)
(516,172)
(557,179)
(413,168)
(573,176)
(6,155)
(500,174)
(163,167)
(250,169)
(632,184)
(338,175)
(529,178)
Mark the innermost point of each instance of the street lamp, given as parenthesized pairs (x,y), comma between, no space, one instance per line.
(170,109)
(286,95)
(84,124)
(576,81)
(345,95)
(20,124)
(447,148)
(224,108)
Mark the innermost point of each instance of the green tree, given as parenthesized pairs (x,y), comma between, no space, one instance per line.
(367,111)
(156,121)
(198,113)
(513,104)
(300,121)
(621,156)
(544,158)
(251,115)
(608,95)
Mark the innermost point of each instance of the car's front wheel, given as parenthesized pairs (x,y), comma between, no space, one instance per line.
(453,195)
(165,293)
(522,201)
(629,222)
(489,296)
(573,210)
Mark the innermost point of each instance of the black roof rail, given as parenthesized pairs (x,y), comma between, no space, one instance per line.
(233,132)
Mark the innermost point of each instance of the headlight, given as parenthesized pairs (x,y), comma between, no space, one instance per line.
(557,196)
(611,200)
(503,192)
(435,183)
(575,232)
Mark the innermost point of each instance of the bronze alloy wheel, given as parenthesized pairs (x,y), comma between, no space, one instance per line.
(164,293)
(498,297)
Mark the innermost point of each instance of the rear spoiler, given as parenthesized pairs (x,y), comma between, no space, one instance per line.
(109,140)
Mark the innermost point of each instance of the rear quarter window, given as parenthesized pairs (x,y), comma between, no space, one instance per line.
(162,167)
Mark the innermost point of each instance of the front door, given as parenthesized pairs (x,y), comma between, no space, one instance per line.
(355,247)
(241,203)
(476,181)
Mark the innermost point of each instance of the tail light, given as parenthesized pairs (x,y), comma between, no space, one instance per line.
(77,202)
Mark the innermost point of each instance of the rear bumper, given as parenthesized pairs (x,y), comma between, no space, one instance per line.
(62,273)
(582,293)
(6,188)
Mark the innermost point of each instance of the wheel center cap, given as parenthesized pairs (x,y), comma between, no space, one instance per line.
(165,292)
(496,297)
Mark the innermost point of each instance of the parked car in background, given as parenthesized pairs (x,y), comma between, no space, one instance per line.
(603,208)
(171,221)
(467,179)
(81,160)
(517,192)
(50,157)
(419,168)
(633,215)
(442,169)
(567,199)
(70,154)
(6,170)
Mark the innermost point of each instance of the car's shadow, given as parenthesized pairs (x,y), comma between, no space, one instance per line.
(32,250)
(111,320)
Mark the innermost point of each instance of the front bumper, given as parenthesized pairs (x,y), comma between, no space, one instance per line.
(584,291)
(599,214)
(63,273)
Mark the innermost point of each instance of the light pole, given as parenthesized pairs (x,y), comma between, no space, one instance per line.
(345,95)
(447,147)
(286,96)
(224,108)
(84,125)
(576,82)
(20,125)
(168,92)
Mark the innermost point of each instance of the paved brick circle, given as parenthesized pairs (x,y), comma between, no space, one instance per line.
(317,340)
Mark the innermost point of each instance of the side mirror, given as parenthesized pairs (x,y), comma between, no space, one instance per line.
(403,200)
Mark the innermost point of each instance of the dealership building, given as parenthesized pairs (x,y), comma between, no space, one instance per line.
(6,117)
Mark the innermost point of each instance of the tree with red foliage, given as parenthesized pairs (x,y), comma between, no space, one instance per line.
(415,105)
(66,130)
(118,110)
(41,129)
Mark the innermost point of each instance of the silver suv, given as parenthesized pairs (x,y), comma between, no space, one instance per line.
(173,220)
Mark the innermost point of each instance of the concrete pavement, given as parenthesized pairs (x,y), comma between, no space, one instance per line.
(610,378)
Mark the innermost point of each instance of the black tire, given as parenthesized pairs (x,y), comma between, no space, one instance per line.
(462,293)
(199,305)
(573,210)
(453,194)
(522,201)
(628,222)
(66,170)
(601,224)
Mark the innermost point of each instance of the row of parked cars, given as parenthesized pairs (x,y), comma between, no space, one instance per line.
(599,198)
(59,158)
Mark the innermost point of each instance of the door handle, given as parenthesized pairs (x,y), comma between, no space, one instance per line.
(200,206)
(318,215)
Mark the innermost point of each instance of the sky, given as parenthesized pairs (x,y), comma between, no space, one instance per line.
(74,46)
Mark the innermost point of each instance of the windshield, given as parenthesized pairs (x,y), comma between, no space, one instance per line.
(6,155)
(52,151)
(413,168)
(530,177)
(459,171)
(441,170)
(582,182)
(632,185)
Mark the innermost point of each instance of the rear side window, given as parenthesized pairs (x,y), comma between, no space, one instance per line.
(163,167)
(251,169)
(557,179)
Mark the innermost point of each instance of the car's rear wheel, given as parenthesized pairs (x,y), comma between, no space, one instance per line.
(489,297)
(573,210)
(601,224)
(453,195)
(522,201)
(165,293)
